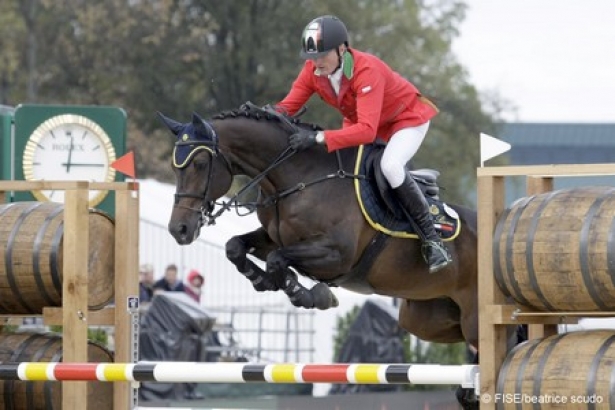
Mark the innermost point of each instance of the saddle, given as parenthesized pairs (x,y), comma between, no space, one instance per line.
(380,206)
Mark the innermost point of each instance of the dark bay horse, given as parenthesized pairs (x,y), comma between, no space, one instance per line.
(311,223)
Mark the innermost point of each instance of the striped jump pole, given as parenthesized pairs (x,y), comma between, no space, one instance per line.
(189,372)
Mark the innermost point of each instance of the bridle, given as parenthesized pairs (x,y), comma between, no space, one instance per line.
(207,206)
(207,211)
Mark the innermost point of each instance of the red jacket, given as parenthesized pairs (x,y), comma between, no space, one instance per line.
(374,100)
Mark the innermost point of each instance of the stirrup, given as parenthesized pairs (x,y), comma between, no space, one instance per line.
(435,246)
(437,267)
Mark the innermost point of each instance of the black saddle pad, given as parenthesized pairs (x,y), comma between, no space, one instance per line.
(383,212)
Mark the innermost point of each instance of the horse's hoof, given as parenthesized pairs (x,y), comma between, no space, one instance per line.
(302,298)
(467,398)
(323,297)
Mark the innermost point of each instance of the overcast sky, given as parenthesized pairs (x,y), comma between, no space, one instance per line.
(554,59)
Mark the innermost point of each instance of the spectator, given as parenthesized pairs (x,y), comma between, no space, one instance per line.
(169,282)
(146,283)
(194,285)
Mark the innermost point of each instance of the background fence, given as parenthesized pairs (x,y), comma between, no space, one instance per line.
(261,326)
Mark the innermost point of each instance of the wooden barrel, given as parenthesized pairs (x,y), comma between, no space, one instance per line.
(35,347)
(556,251)
(576,367)
(31,238)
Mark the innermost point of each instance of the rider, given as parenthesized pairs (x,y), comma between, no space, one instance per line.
(375,101)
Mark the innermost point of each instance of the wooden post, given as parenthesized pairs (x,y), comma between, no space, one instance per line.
(126,281)
(492,335)
(74,313)
(75,291)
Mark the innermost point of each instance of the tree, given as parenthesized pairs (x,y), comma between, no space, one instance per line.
(342,329)
(12,31)
(206,56)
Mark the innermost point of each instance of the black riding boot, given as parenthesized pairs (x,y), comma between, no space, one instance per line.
(411,198)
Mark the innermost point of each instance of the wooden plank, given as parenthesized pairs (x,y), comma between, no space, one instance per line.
(39,185)
(492,337)
(539,331)
(506,315)
(103,317)
(75,291)
(548,170)
(112,186)
(539,185)
(126,282)
(62,185)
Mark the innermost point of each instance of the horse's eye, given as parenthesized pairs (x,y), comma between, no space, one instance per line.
(200,164)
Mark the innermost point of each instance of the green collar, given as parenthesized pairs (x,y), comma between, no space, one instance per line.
(348,66)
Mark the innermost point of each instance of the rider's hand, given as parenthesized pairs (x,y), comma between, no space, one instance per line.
(302,139)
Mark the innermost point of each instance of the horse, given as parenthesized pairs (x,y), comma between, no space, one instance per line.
(313,224)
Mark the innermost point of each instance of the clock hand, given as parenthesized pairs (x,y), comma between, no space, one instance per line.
(76,164)
(70,154)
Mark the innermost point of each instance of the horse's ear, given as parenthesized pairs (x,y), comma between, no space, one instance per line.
(198,123)
(196,117)
(173,125)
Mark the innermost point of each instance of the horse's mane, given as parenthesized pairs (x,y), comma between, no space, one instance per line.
(258,114)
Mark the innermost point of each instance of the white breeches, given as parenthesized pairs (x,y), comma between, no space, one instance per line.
(399,150)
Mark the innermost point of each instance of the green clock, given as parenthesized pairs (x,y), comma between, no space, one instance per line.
(69,143)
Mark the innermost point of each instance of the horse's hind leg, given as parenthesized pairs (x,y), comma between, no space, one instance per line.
(434,320)
(258,244)
(438,320)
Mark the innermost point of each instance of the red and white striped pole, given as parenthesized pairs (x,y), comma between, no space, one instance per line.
(189,372)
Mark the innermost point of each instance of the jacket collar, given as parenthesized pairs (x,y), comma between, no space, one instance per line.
(348,70)
(348,64)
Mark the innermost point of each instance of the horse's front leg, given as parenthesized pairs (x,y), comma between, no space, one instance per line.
(302,256)
(259,244)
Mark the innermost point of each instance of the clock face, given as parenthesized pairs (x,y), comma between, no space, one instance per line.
(69,147)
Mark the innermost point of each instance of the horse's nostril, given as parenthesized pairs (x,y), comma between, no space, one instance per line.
(178,230)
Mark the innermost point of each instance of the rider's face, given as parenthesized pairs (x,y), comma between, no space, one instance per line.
(327,64)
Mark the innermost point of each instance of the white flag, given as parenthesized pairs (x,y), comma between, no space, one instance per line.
(491,147)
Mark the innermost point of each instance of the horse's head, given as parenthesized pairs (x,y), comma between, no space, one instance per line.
(202,175)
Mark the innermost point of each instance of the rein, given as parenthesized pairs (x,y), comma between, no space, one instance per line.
(340,173)
(208,212)
(276,197)
(226,206)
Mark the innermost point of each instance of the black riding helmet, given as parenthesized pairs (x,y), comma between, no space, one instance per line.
(322,35)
